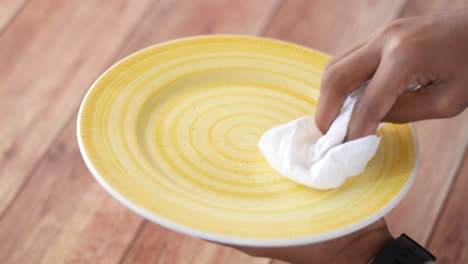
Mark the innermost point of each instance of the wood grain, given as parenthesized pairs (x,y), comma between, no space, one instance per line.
(51,208)
(450,238)
(51,53)
(8,10)
(429,7)
(63,216)
(331,26)
(159,245)
(89,229)
(183,18)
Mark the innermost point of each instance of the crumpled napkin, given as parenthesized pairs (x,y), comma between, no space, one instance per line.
(298,151)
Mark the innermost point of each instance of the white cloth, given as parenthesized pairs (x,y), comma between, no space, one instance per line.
(298,151)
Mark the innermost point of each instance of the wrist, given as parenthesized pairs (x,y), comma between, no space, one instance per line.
(365,246)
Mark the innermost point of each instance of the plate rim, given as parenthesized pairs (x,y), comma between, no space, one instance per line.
(224,239)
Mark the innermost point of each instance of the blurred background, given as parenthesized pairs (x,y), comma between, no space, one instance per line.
(51,208)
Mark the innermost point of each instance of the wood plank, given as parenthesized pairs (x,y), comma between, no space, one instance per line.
(450,238)
(8,10)
(331,26)
(52,231)
(155,244)
(185,18)
(159,245)
(63,216)
(428,7)
(51,53)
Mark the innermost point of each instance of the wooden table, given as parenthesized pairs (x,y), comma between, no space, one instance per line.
(51,208)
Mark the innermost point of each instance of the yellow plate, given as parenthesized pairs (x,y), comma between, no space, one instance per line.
(171,131)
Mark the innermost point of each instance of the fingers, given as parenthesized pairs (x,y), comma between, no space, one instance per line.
(383,97)
(343,77)
(429,102)
(343,55)
(375,102)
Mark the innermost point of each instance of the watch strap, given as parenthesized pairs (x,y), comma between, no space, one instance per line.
(403,250)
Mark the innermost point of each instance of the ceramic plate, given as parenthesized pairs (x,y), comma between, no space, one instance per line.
(172,130)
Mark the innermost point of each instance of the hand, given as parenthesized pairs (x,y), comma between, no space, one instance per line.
(430,51)
(358,247)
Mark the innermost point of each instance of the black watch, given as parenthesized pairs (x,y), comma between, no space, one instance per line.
(403,250)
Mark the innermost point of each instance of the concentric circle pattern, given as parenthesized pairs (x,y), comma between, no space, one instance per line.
(172,132)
